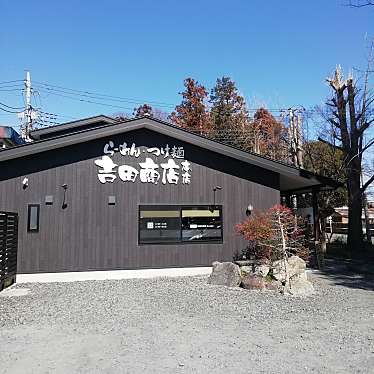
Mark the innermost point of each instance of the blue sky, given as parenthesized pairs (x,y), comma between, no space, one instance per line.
(278,52)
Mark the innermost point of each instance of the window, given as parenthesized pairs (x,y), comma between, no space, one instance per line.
(33,213)
(177,224)
(159,224)
(200,223)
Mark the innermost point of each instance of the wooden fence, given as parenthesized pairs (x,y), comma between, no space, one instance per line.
(342,228)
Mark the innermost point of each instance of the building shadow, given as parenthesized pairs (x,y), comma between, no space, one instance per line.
(348,273)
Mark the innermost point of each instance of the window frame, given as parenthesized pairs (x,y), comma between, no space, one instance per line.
(180,207)
(29,208)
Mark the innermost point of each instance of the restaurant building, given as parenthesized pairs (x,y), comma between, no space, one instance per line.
(96,194)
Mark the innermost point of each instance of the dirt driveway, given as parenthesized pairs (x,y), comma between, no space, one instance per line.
(183,325)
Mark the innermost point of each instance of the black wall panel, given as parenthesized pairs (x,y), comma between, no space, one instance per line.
(90,234)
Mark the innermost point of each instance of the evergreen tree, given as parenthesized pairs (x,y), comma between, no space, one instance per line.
(228,112)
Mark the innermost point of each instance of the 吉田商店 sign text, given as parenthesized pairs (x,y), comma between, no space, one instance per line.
(172,169)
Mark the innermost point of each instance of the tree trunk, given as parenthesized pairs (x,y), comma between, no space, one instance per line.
(355,237)
(284,250)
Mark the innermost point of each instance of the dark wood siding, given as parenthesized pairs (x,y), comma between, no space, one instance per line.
(92,235)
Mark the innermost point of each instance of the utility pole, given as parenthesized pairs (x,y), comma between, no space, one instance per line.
(295,137)
(28,103)
(28,115)
(299,136)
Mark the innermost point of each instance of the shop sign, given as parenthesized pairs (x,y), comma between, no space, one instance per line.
(173,168)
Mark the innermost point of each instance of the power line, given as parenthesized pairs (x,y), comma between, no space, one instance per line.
(11,86)
(61,90)
(17,80)
(78,97)
(106,100)
(100,97)
(10,107)
(95,95)
(125,99)
(8,111)
(91,102)
(56,115)
(11,90)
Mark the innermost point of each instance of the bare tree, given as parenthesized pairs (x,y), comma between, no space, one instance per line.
(351,116)
(360,3)
(121,116)
(160,114)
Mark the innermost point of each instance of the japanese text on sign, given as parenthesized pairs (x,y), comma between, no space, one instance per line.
(172,169)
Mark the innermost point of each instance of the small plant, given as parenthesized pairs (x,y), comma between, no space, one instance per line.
(274,234)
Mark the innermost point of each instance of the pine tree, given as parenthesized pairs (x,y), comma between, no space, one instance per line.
(228,112)
(192,113)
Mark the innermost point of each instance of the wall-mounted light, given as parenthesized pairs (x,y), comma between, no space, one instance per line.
(214,198)
(64,204)
(111,200)
(249,210)
(25,183)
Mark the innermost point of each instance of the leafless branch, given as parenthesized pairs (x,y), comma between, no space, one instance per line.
(368,183)
(330,144)
(360,4)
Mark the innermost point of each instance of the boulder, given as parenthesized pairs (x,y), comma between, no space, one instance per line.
(278,270)
(296,265)
(273,285)
(300,287)
(225,274)
(244,262)
(253,282)
(297,277)
(244,270)
(261,270)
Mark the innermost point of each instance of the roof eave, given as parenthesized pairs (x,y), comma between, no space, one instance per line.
(165,129)
(36,134)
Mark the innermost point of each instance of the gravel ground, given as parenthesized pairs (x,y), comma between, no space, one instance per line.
(183,325)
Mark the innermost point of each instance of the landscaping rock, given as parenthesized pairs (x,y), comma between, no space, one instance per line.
(301,287)
(273,285)
(244,262)
(262,270)
(253,282)
(296,265)
(244,270)
(278,270)
(301,276)
(225,274)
